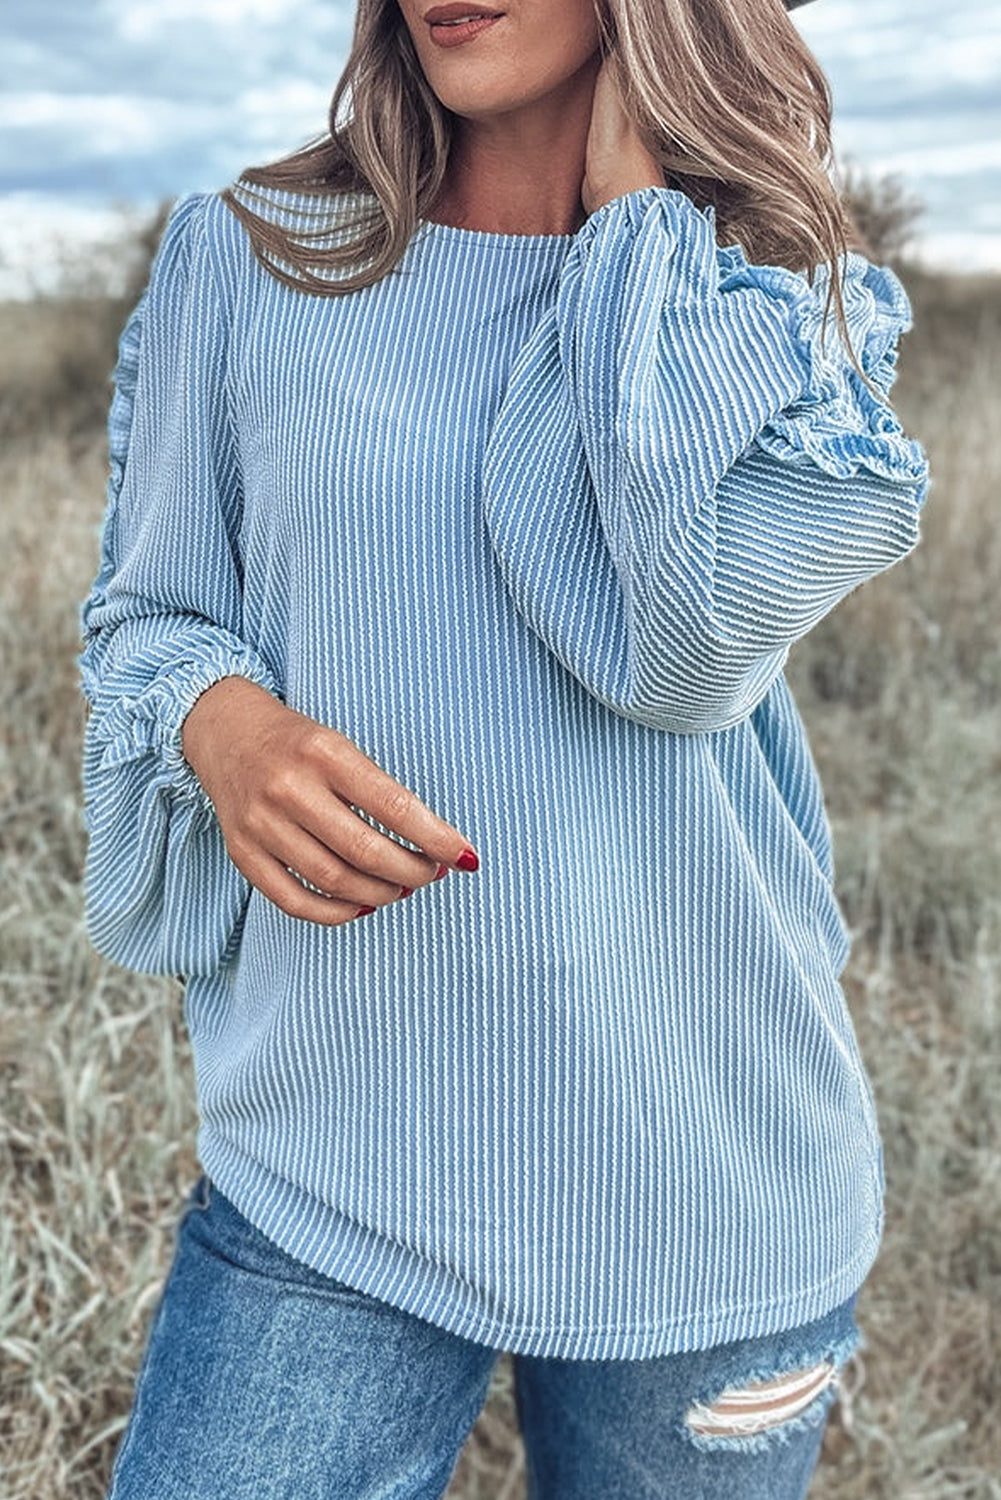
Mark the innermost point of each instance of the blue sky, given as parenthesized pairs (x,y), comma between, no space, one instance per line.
(108,103)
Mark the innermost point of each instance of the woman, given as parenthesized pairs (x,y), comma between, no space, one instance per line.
(473,472)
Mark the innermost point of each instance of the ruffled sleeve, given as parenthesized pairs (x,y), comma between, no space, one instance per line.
(682,479)
(163,622)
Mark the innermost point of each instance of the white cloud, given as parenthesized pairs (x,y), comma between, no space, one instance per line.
(74,240)
(101,125)
(144,20)
(944,251)
(290,103)
(955,160)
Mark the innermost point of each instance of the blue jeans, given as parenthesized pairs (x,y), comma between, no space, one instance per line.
(263,1379)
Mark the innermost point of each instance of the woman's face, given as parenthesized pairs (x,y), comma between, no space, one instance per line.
(531,51)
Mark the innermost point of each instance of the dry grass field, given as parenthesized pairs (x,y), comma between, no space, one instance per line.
(901,691)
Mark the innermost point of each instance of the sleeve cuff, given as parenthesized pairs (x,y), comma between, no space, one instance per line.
(151,723)
(837,423)
(199,678)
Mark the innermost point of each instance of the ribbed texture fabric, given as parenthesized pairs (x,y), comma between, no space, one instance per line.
(534,520)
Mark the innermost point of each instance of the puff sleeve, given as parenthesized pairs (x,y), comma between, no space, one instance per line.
(163,622)
(680,481)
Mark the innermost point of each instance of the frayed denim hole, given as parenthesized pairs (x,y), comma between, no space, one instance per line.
(785,1431)
(836,1352)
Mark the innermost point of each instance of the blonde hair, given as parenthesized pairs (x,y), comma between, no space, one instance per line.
(725,95)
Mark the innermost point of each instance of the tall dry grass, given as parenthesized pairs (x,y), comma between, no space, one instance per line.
(901,690)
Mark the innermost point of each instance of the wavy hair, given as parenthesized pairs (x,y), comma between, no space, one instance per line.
(724,94)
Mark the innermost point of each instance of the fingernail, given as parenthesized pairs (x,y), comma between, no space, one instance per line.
(363,911)
(406,890)
(442,871)
(468,860)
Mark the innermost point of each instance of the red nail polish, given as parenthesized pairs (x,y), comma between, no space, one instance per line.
(442,872)
(406,890)
(363,911)
(468,860)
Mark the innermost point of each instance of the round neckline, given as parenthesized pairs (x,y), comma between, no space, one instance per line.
(496,236)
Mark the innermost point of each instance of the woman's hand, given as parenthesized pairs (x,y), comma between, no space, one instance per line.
(617,161)
(281,785)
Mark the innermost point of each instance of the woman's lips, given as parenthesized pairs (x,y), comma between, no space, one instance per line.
(455,34)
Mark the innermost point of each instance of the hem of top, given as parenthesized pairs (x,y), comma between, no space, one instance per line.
(358,1263)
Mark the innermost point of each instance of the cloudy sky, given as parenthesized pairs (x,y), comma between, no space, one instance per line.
(106,104)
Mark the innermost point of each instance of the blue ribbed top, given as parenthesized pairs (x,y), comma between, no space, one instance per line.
(534,520)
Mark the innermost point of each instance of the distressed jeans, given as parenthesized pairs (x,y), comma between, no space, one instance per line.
(263,1379)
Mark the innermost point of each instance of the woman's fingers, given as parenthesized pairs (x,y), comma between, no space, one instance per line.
(269,876)
(297,849)
(363,783)
(368,853)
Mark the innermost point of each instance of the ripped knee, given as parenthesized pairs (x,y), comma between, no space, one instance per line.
(762,1405)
